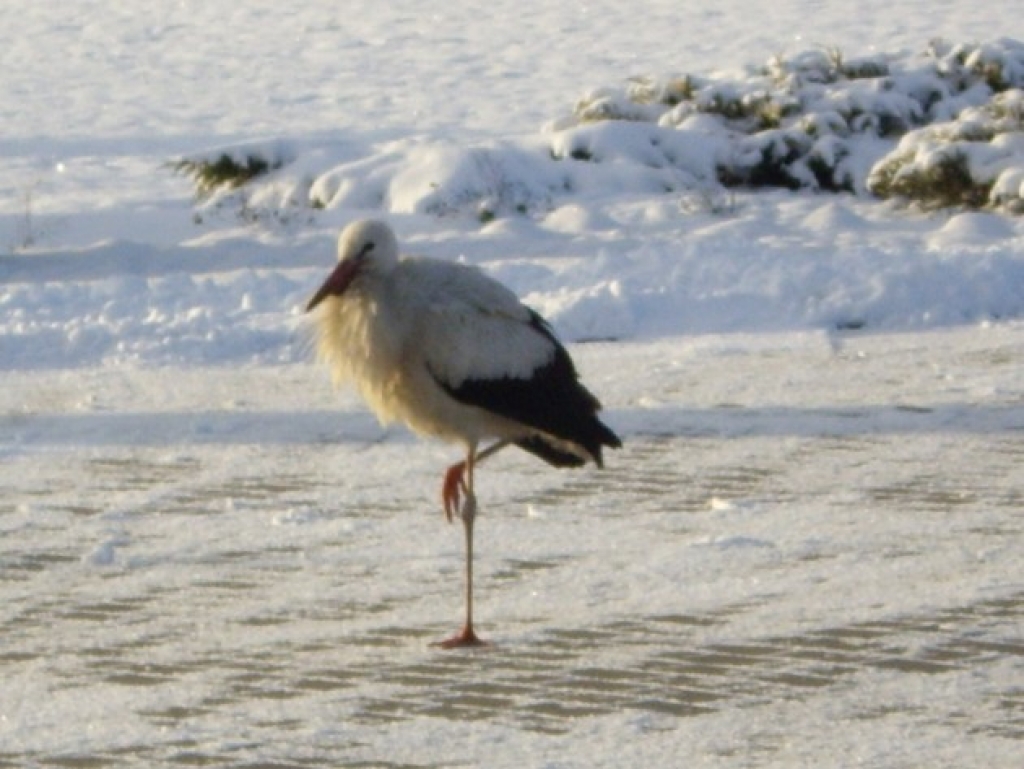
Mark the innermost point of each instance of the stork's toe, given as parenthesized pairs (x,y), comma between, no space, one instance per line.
(453,488)
(465,638)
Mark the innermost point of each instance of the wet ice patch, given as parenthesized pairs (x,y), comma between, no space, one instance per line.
(106,553)
(297,517)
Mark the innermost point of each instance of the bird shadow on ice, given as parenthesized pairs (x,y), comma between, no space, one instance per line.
(213,427)
(823,421)
(229,427)
(119,258)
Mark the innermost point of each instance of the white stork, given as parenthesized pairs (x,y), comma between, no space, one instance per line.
(453,354)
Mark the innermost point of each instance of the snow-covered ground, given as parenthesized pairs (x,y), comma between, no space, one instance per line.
(807,553)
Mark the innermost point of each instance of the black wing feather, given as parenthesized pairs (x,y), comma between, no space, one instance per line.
(552,400)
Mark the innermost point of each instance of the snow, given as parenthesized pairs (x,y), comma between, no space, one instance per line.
(808,550)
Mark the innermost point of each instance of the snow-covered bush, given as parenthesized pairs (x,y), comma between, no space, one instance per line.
(940,129)
(975,161)
(821,121)
(999,63)
(489,181)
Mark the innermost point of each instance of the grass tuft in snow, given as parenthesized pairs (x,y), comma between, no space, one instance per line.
(223,169)
(224,172)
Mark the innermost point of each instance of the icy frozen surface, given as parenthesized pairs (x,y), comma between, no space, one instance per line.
(808,550)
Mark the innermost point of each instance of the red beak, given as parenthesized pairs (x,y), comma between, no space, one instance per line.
(336,282)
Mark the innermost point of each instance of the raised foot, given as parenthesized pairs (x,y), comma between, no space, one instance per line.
(466,638)
(453,488)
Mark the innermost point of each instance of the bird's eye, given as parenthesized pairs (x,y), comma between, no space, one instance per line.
(367,249)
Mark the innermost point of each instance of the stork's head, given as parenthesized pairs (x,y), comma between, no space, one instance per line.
(368,245)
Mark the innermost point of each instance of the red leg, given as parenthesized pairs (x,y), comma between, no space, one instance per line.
(457,497)
(466,637)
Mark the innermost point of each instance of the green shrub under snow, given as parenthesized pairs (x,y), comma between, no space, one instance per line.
(975,161)
(221,172)
(226,168)
(820,121)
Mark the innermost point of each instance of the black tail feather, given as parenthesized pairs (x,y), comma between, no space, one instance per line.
(550,453)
